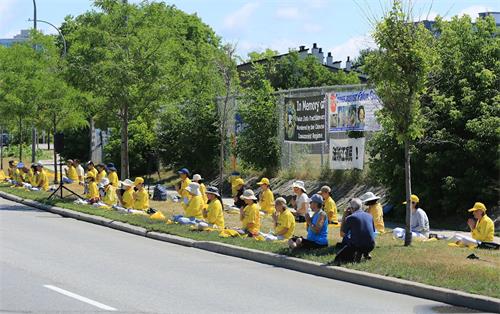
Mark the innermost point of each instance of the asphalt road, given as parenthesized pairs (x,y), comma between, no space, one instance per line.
(50,264)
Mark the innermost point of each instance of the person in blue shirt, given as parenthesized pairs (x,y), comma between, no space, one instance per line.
(317,227)
(358,231)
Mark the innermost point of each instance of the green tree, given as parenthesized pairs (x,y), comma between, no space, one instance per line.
(258,145)
(399,71)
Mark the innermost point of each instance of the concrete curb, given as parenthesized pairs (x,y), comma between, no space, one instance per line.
(444,295)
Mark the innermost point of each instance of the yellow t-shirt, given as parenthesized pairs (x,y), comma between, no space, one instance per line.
(100,175)
(113,178)
(215,216)
(16,175)
(378,216)
(195,207)
(41,180)
(286,220)
(72,173)
(128,198)
(94,171)
(141,199)
(485,230)
(183,193)
(31,178)
(251,215)
(203,190)
(93,191)
(331,210)
(110,198)
(266,201)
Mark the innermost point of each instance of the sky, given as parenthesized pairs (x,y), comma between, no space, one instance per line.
(342,27)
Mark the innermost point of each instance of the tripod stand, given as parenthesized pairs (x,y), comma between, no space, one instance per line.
(61,187)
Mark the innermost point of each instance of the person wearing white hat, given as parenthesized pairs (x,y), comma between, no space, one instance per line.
(250,214)
(213,213)
(375,209)
(110,198)
(203,189)
(195,204)
(127,199)
(301,202)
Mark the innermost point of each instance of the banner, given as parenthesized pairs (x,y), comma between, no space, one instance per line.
(347,153)
(305,119)
(353,111)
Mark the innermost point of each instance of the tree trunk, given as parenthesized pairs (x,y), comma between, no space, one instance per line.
(92,138)
(33,144)
(408,193)
(20,139)
(48,140)
(1,148)
(56,181)
(124,144)
(221,159)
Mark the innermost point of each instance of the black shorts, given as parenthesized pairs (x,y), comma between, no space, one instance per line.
(300,219)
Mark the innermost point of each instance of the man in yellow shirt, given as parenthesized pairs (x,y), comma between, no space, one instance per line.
(141,196)
(127,199)
(329,205)
(194,208)
(482,228)
(375,209)
(250,214)
(182,186)
(41,180)
(266,197)
(112,174)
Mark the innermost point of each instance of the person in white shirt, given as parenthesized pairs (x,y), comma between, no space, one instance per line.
(301,202)
(79,171)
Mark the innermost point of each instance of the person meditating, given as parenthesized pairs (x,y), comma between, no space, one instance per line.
(317,227)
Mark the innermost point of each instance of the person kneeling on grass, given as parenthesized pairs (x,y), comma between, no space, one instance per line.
(317,227)
(482,229)
(213,214)
(284,222)
(249,215)
(358,231)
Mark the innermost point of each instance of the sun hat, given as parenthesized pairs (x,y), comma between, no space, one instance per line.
(280,200)
(69,161)
(183,171)
(478,206)
(248,195)
(264,181)
(299,184)
(316,198)
(127,182)
(104,182)
(193,188)
(369,196)
(138,180)
(414,199)
(101,165)
(238,181)
(325,189)
(20,165)
(197,177)
(213,190)
(90,162)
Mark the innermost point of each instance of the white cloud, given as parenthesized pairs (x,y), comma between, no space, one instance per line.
(313,28)
(352,47)
(282,45)
(473,11)
(240,17)
(317,4)
(291,13)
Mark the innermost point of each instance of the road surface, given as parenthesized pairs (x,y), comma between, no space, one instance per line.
(50,264)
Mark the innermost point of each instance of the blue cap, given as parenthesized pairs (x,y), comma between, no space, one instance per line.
(110,165)
(184,171)
(20,165)
(316,198)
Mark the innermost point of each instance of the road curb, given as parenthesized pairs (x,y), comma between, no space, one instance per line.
(444,295)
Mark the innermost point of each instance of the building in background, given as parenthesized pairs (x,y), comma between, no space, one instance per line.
(23,36)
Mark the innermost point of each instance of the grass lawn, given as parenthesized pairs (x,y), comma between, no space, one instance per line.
(433,263)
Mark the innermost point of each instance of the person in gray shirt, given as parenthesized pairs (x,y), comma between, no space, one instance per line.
(418,221)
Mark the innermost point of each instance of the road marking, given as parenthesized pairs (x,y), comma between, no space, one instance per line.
(80,298)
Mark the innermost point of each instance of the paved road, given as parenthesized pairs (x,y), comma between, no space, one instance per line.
(50,264)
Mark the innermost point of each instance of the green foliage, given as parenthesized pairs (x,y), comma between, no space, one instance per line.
(257,145)
(457,161)
(142,153)
(77,144)
(266,54)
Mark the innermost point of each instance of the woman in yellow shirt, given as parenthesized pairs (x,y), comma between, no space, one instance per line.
(127,199)
(250,214)
(91,169)
(41,180)
(194,208)
(374,209)
(141,196)
(203,189)
(101,172)
(329,205)
(112,174)
(213,213)
(110,198)
(181,188)
(93,191)
(284,222)
(266,197)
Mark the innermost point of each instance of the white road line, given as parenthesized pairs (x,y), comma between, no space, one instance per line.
(80,298)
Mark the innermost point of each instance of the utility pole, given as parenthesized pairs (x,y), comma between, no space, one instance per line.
(33,129)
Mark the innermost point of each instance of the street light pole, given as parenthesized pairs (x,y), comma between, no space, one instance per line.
(33,129)
(60,34)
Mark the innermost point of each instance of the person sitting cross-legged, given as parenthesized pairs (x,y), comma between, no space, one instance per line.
(193,212)
(250,214)
(317,227)
(284,222)
(213,214)
(481,226)
(110,198)
(93,191)
(358,231)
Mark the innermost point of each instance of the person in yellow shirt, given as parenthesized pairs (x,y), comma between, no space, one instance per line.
(127,199)
(41,180)
(70,174)
(374,209)
(194,208)
(250,214)
(266,197)
(239,184)
(101,172)
(481,226)
(91,168)
(141,196)
(11,170)
(182,186)
(203,189)
(213,214)
(110,198)
(112,174)
(26,176)
(93,192)
(284,222)
(234,184)
(330,207)
(18,175)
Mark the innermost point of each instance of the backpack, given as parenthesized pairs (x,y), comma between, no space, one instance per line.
(160,193)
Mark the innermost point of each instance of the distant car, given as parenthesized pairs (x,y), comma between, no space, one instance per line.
(4,140)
